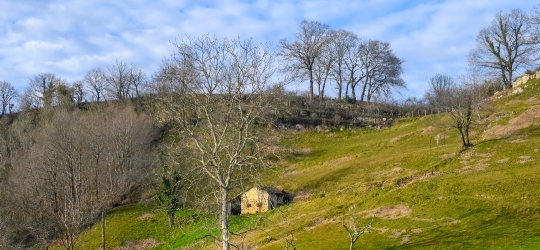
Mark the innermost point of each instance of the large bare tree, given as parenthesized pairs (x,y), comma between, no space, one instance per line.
(439,92)
(124,80)
(300,55)
(323,70)
(222,95)
(381,69)
(96,83)
(340,43)
(506,45)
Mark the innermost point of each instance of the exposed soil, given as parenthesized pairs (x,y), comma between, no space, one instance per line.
(387,173)
(399,137)
(388,212)
(302,151)
(145,217)
(139,245)
(523,120)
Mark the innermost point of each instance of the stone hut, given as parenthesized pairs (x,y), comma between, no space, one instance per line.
(259,200)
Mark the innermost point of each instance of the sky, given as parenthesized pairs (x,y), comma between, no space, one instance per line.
(70,37)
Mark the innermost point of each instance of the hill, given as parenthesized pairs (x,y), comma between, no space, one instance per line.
(422,195)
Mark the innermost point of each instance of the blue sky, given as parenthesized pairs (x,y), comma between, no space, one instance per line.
(68,38)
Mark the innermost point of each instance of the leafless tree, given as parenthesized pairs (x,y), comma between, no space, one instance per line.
(506,46)
(340,43)
(381,69)
(300,55)
(439,92)
(322,70)
(462,114)
(464,100)
(353,69)
(534,20)
(78,91)
(355,232)
(70,168)
(41,92)
(124,80)
(8,95)
(96,83)
(137,80)
(223,93)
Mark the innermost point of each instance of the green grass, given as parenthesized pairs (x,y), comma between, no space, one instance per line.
(423,196)
(133,223)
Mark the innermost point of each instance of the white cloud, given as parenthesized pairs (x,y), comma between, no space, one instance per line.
(70,37)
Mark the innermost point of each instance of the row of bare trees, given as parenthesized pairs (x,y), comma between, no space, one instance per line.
(118,81)
(59,173)
(324,56)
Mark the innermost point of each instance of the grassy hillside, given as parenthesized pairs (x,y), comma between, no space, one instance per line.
(422,195)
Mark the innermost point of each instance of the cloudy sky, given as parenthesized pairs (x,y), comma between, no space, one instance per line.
(70,37)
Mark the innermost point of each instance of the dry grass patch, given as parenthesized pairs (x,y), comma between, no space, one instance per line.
(523,120)
(302,151)
(139,245)
(398,137)
(524,159)
(145,217)
(428,130)
(477,167)
(504,160)
(387,173)
(303,195)
(404,182)
(337,161)
(388,212)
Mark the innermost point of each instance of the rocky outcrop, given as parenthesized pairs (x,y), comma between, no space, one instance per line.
(526,77)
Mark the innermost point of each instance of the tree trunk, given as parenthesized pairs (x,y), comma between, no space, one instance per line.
(311,85)
(171,219)
(363,93)
(225,218)
(102,230)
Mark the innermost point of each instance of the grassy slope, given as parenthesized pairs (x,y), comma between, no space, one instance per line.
(422,196)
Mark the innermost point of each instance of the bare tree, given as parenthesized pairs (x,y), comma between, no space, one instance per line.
(8,95)
(137,80)
(41,92)
(381,69)
(96,83)
(340,43)
(506,45)
(300,55)
(323,69)
(223,94)
(78,91)
(439,92)
(462,114)
(353,69)
(464,100)
(118,80)
(534,20)
(355,232)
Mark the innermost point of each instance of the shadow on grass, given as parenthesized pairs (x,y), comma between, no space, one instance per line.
(490,234)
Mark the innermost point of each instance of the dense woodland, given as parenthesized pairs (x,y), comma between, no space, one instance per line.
(205,123)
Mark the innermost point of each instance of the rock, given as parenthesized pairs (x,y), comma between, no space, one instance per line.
(517,90)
